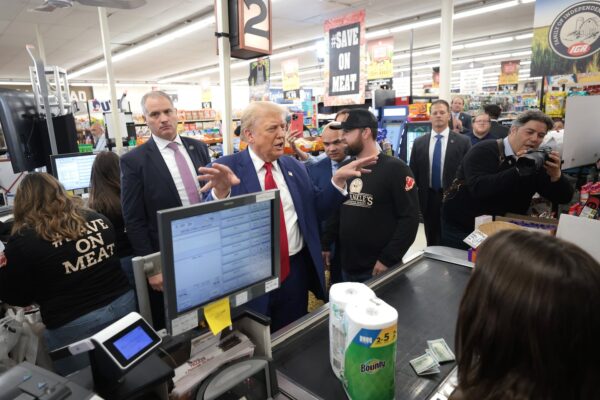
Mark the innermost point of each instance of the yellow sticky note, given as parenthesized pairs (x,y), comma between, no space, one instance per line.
(218,315)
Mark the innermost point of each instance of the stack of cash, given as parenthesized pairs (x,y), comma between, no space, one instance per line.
(429,363)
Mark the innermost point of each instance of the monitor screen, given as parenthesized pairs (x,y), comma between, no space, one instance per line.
(73,170)
(395,111)
(218,249)
(133,342)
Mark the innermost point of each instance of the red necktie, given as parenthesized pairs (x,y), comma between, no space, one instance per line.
(284,251)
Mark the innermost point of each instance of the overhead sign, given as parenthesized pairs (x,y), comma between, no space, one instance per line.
(566,37)
(509,72)
(259,79)
(380,69)
(471,80)
(290,80)
(346,81)
(250,28)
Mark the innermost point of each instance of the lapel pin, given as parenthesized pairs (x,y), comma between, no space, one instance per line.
(191,147)
(451,140)
(290,173)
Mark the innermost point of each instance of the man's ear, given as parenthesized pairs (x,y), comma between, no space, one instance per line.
(248,135)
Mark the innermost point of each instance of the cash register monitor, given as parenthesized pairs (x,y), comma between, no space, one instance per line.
(73,170)
(218,249)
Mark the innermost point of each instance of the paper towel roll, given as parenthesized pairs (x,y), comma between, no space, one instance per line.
(370,351)
(340,295)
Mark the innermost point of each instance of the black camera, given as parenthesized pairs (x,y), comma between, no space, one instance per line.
(533,161)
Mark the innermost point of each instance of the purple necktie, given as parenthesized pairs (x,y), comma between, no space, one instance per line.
(185,173)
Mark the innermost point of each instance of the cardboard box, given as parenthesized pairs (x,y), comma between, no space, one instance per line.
(534,224)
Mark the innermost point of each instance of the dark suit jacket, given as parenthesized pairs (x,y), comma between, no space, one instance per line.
(466,120)
(147,187)
(320,173)
(456,148)
(312,204)
(498,130)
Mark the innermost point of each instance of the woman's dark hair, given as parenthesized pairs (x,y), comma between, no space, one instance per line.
(529,321)
(105,185)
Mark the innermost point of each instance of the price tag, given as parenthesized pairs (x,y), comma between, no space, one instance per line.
(475,238)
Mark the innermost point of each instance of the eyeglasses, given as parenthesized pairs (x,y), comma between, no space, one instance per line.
(482,122)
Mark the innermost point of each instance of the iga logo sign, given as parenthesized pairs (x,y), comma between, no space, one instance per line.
(574,33)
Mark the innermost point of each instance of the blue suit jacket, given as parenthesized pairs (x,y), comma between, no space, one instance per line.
(147,187)
(320,172)
(312,204)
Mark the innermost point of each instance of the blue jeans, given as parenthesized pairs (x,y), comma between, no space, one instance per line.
(84,327)
(356,276)
(127,268)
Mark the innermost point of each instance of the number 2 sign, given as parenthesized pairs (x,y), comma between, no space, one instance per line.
(250,28)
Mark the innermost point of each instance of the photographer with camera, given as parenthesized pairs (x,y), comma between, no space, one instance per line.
(501,176)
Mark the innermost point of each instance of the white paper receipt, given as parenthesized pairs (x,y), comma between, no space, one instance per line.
(185,322)
(475,238)
(271,285)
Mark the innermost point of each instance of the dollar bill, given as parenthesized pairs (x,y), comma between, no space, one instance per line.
(424,365)
(441,350)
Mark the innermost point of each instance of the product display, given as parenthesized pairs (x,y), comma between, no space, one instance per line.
(340,296)
(370,353)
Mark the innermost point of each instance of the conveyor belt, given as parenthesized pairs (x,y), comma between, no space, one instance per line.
(427,296)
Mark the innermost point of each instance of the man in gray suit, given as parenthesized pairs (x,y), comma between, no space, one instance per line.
(434,161)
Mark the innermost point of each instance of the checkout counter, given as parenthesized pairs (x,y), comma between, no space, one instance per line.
(426,292)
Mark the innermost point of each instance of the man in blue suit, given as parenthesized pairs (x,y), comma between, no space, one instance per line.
(303,206)
(160,174)
(321,174)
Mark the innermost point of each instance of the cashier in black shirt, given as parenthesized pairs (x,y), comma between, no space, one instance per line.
(62,257)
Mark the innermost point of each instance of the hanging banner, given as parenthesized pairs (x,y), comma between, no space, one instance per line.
(346,77)
(290,80)
(471,81)
(435,77)
(566,37)
(509,72)
(260,72)
(380,68)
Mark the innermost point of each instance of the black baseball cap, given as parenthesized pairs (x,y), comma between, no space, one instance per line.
(357,118)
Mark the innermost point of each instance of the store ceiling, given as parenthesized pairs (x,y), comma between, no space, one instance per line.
(72,40)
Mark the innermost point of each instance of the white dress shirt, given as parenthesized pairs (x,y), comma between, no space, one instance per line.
(445,133)
(295,240)
(100,144)
(169,156)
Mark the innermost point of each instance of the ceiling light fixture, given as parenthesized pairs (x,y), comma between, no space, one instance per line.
(160,40)
(484,10)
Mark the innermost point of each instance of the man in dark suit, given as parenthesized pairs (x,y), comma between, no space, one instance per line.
(321,174)
(497,129)
(261,167)
(160,174)
(434,161)
(460,122)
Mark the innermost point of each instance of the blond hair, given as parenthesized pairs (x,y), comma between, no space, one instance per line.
(42,204)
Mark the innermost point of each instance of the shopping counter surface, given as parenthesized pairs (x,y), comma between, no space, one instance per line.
(425,291)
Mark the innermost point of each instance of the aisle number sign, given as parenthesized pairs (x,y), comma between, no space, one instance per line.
(346,75)
(250,28)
